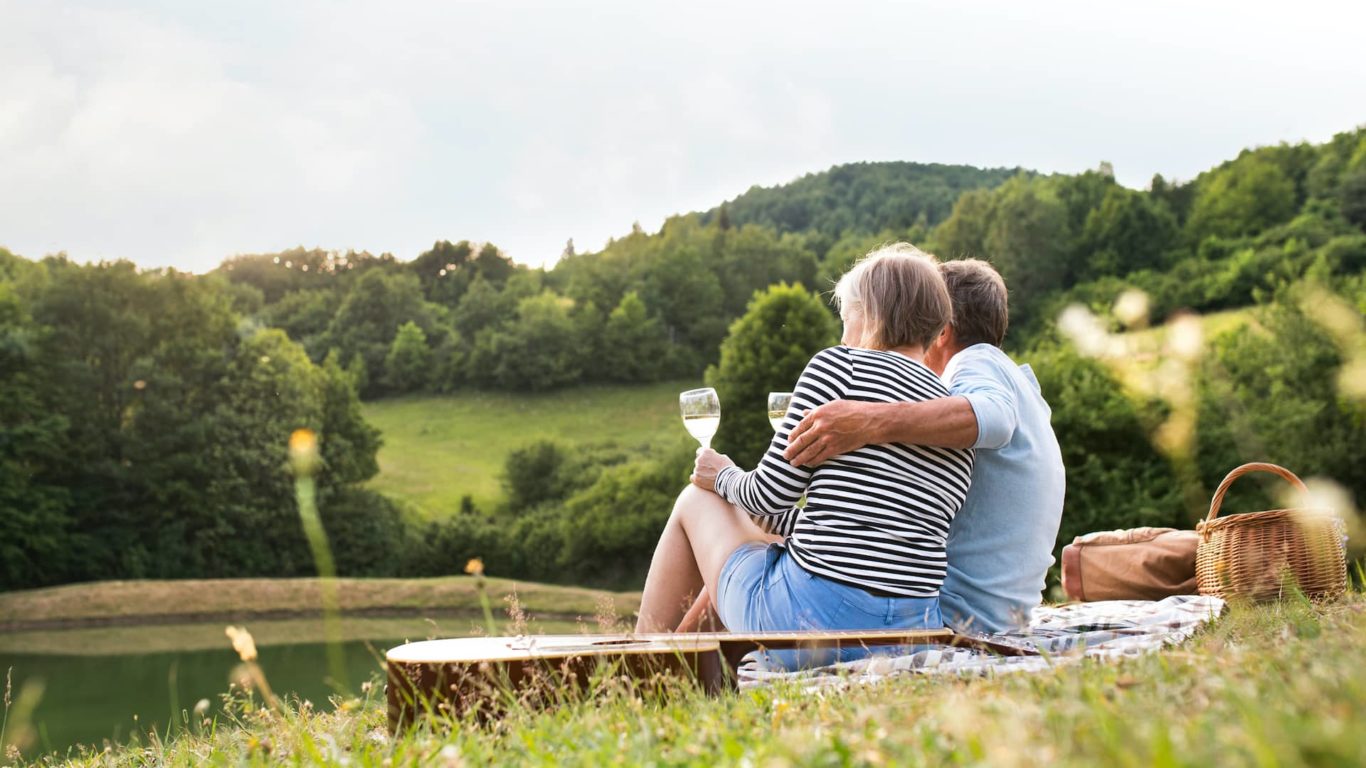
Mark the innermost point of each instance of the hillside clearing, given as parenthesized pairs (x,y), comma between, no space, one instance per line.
(438,449)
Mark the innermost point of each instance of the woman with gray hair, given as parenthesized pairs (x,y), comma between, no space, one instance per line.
(867,549)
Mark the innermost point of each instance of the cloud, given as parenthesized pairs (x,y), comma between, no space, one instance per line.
(182,133)
(131,131)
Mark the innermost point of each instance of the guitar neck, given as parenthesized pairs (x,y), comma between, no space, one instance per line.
(812,638)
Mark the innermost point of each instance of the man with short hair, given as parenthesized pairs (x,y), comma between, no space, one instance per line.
(1000,544)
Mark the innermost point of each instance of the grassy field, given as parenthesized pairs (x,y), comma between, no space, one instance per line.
(437,449)
(1281,684)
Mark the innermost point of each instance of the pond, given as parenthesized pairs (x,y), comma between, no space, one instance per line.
(109,683)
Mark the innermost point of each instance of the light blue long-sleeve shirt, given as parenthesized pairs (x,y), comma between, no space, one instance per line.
(1000,544)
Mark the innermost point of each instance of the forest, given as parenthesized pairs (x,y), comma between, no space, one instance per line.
(144,414)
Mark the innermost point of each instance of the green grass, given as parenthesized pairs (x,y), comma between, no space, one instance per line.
(1270,685)
(437,449)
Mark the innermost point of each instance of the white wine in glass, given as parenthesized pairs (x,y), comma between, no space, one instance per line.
(778,403)
(701,413)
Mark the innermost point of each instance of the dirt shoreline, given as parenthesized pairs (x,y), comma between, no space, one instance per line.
(170,619)
(150,603)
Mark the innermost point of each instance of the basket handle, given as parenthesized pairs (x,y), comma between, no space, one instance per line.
(1255,466)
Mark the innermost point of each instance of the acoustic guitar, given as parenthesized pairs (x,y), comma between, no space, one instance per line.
(451,677)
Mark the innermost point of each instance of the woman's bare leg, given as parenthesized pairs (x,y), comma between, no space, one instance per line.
(701,617)
(702,532)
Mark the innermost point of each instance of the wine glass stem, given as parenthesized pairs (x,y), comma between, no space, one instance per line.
(705,441)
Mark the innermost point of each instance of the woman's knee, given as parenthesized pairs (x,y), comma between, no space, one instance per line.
(693,503)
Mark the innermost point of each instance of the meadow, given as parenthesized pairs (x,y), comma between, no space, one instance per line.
(439,449)
(1277,684)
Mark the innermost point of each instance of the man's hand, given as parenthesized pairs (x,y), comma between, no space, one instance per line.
(709,464)
(839,426)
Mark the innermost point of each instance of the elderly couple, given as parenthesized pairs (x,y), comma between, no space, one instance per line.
(933,480)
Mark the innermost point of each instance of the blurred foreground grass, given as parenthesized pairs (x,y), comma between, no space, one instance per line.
(1269,685)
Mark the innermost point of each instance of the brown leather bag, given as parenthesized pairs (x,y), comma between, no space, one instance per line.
(1135,564)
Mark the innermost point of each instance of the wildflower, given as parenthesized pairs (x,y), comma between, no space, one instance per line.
(1185,337)
(201,707)
(450,756)
(1084,329)
(1352,379)
(475,567)
(1132,308)
(303,451)
(242,642)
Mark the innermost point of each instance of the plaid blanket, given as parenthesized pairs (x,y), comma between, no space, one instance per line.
(1060,635)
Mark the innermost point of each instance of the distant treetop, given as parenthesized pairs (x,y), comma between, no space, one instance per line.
(859,198)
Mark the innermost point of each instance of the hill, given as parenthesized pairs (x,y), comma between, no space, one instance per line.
(861,198)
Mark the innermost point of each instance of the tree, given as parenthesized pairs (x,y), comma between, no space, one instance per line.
(444,271)
(964,234)
(377,305)
(408,366)
(1352,188)
(753,258)
(534,474)
(1273,396)
(484,306)
(1242,198)
(1029,242)
(34,518)
(767,350)
(634,346)
(1115,478)
(536,351)
(348,443)
(687,293)
(1127,232)
(492,265)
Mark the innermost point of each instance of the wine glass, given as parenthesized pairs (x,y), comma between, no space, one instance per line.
(778,403)
(701,413)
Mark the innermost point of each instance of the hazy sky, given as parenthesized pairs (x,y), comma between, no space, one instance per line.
(180,133)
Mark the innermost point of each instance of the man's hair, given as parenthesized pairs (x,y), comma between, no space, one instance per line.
(901,295)
(980,312)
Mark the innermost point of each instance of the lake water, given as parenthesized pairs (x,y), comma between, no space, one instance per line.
(109,683)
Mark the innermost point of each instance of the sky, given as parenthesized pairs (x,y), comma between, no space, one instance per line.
(178,133)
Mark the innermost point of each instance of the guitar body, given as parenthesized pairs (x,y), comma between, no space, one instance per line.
(451,677)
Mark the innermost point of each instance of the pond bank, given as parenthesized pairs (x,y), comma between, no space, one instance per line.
(199,601)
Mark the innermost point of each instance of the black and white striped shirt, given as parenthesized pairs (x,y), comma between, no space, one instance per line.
(877,517)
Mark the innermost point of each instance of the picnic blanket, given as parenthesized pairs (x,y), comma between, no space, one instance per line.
(1065,634)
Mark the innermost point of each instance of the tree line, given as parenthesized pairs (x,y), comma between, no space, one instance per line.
(143,414)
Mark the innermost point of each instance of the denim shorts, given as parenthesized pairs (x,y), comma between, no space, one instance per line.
(762,589)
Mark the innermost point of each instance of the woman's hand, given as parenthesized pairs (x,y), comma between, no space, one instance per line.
(709,464)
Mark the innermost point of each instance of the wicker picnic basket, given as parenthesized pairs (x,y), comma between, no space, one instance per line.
(1261,555)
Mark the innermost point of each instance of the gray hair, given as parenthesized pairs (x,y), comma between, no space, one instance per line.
(980,311)
(901,295)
